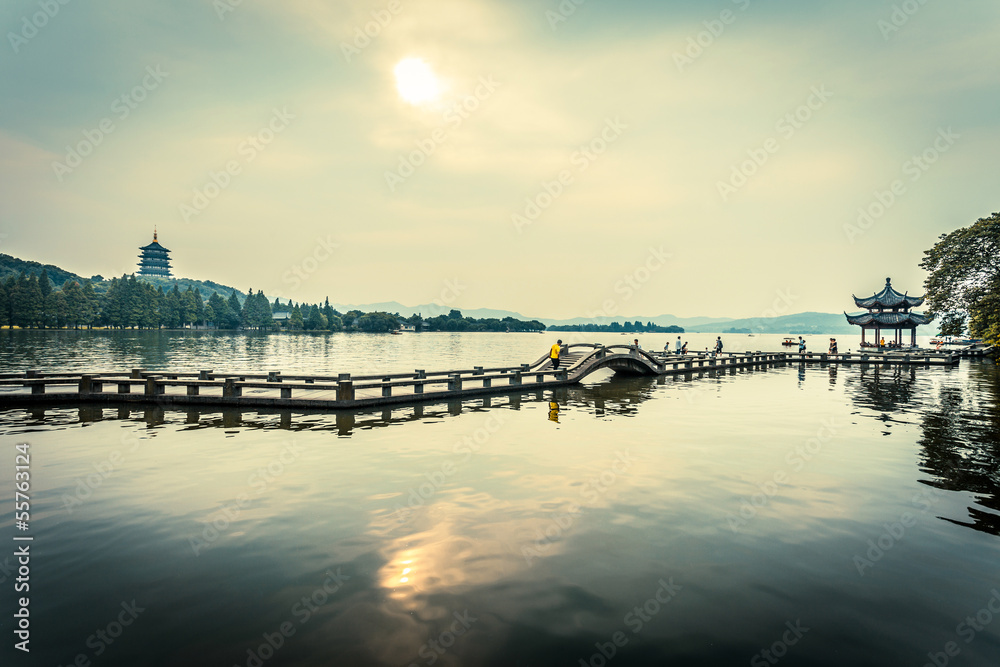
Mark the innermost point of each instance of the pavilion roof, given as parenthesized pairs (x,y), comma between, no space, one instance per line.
(888,320)
(888,298)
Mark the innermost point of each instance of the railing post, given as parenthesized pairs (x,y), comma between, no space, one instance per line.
(478,370)
(345,387)
(137,373)
(193,390)
(30,374)
(205,374)
(274,376)
(154,387)
(38,388)
(86,384)
(454,382)
(515,378)
(230,389)
(286,392)
(561,374)
(487,382)
(386,387)
(420,374)
(124,388)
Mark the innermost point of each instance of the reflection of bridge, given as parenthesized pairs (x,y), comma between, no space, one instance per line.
(275,390)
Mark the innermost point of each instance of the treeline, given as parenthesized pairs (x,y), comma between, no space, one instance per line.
(454,321)
(618,327)
(28,301)
(32,302)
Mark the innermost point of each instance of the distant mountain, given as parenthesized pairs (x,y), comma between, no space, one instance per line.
(14,266)
(799,323)
(428,310)
(661,320)
(205,287)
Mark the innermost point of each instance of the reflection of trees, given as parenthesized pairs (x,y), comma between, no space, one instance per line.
(961,441)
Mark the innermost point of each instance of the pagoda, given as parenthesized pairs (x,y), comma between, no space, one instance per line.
(154,260)
(889,310)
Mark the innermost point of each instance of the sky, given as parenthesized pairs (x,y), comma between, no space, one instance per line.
(573,158)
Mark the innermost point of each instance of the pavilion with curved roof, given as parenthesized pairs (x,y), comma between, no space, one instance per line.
(889,310)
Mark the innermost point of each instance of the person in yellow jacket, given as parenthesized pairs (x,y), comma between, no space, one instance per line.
(554,354)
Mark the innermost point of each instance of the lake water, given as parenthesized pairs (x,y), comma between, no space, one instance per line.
(816,515)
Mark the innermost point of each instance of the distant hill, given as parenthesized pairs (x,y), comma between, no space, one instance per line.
(799,323)
(14,266)
(205,287)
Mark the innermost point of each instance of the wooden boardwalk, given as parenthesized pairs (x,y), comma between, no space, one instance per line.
(344,391)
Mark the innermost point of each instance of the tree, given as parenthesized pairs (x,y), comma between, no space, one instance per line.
(295,319)
(316,319)
(378,322)
(4,306)
(963,287)
(237,310)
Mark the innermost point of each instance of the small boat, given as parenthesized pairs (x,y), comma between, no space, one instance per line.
(789,341)
(396,332)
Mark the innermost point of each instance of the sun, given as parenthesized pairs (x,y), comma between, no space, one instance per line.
(416,82)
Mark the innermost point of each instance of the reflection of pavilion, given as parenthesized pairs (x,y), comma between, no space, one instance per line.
(884,389)
(889,310)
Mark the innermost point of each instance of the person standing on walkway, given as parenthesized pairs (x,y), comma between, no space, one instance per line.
(554,354)
(802,345)
(677,345)
(684,348)
(833,346)
(718,345)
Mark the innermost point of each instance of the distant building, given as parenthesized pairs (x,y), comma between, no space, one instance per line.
(154,260)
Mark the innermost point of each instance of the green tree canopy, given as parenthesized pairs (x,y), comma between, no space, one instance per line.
(963,287)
